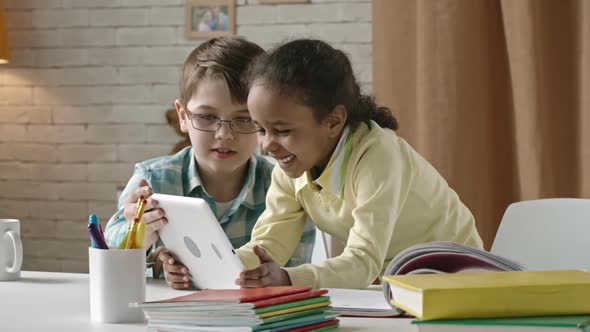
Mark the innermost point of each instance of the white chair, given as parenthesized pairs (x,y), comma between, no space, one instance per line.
(319,248)
(546,234)
(326,246)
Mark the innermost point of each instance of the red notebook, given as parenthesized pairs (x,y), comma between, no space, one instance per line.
(232,296)
(289,298)
(316,326)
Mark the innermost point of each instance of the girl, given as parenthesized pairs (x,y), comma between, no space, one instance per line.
(219,167)
(340,163)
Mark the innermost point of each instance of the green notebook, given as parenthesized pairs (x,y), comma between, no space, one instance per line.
(297,314)
(516,324)
(296,322)
(293,304)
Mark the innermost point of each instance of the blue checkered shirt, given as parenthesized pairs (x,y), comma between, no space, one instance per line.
(177,175)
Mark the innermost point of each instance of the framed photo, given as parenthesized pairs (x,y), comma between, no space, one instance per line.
(281,1)
(210,18)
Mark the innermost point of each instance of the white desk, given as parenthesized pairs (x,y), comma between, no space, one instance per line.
(46,301)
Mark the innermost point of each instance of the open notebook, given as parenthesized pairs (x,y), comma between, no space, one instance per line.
(361,302)
(431,257)
(444,257)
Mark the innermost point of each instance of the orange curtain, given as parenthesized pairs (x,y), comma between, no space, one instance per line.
(495,94)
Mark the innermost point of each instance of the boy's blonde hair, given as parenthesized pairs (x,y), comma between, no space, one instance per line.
(228,58)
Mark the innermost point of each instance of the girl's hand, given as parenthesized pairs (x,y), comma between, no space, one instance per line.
(153,217)
(269,273)
(176,274)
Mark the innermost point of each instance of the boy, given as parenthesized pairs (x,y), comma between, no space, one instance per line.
(219,167)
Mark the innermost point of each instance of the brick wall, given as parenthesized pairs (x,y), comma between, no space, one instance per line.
(84,96)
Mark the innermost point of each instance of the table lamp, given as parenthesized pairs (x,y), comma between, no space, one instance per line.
(4,51)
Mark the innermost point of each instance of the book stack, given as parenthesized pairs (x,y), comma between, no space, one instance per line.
(288,308)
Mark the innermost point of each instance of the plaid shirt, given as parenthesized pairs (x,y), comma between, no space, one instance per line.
(177,175)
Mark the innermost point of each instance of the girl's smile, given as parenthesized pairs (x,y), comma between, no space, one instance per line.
(289,132)
(284,162)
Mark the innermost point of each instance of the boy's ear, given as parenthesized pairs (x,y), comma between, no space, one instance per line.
(336,120)
(183,119)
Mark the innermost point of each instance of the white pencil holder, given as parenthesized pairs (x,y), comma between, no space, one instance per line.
(117,277)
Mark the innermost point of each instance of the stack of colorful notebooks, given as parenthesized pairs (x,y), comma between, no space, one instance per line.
(289,308)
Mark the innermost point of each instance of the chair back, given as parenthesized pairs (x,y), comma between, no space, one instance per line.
(546,234)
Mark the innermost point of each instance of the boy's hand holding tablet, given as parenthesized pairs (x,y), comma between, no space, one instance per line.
(153,217)
(176,274)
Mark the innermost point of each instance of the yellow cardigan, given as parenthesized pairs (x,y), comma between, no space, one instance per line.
(377,195)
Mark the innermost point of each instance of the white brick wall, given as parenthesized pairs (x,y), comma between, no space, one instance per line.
(86,153)
(118,17)
(84,97)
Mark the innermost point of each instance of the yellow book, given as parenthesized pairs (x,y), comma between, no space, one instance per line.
(492,294)
(294,309)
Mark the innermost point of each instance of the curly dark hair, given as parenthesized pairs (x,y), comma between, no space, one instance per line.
(320,77)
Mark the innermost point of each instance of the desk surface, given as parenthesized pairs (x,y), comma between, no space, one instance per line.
(46,301)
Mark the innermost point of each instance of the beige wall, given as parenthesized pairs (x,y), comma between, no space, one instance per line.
(84,99)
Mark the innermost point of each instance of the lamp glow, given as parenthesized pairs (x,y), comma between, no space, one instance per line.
(4,51)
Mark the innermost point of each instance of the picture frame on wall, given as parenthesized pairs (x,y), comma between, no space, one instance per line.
(281,1)
(210,18)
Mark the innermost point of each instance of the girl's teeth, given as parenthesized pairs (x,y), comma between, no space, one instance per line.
(286,160)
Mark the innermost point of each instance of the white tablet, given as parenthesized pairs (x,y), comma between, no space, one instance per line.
(195,237)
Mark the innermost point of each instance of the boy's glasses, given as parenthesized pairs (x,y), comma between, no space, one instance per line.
(211,123)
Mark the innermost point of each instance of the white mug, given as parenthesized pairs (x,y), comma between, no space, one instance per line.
(11,249)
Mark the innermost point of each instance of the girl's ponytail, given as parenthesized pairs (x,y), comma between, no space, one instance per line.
(365,109)
(380,114)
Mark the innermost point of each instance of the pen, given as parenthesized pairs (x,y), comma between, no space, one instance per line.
(130,244)
(96,237)
(93,219)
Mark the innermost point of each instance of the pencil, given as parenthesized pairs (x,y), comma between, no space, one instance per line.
(140,235)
